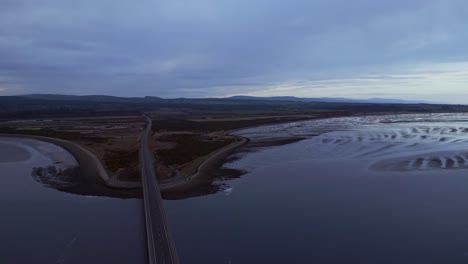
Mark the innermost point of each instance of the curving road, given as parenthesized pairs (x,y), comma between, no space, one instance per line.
(161,248)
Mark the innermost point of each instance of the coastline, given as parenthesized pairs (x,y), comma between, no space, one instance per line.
(92,177)
(90,167)
(215,160)
(212,162)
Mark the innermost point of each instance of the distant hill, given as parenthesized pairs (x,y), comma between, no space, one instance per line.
(56,105)
(109,98)
(89,98)
(331,100)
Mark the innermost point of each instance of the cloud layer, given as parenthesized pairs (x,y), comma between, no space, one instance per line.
(361,48)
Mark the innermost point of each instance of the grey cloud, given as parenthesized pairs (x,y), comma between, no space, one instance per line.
(198,48)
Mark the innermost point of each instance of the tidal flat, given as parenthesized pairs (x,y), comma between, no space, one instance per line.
(376,189)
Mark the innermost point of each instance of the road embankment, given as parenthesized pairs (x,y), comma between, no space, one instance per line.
(93,178)
(90,167)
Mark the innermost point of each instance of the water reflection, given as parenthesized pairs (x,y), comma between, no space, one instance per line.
(364,190)
(43,225)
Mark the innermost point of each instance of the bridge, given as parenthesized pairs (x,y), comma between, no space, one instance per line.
(161,247)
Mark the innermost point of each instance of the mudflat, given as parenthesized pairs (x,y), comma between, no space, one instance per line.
(11,152)
(376,189)
(14,149)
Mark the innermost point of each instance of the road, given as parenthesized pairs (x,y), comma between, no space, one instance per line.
(161,248)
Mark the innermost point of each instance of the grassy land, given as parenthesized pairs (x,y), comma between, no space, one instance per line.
(189,147)
(117,159)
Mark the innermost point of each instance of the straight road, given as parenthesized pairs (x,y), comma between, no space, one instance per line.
(161,248)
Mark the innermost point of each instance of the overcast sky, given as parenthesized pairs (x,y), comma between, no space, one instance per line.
(202,48)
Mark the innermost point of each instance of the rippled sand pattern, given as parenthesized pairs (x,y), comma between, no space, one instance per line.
(396,143)
(404,147)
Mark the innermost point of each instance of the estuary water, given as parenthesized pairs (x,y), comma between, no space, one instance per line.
(42,225)
(381,189)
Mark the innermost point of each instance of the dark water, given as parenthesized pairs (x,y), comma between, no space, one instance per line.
(42,225)
(377,190)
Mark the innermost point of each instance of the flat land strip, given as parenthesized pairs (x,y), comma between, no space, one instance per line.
(191,137)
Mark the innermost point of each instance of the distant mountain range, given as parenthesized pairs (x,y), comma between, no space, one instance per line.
(90,98)
(108,98)
(56,105)
(331,100)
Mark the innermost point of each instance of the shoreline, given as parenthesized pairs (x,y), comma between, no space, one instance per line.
(203,170)
(88,162)
(211,174)
(215,160)
(92,177)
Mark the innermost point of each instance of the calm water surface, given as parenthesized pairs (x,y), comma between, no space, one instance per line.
(42,225)
(390,189)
